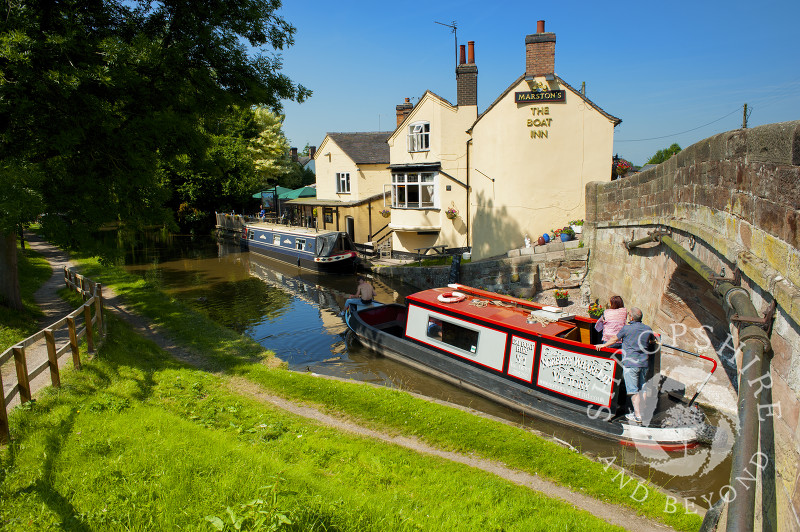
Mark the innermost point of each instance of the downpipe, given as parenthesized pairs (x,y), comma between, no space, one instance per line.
(754,343)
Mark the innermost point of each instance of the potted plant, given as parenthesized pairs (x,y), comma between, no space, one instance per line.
(596,309)
(385,212)
(556,233)
(451,213)
(623,167)
(562,296)
(567,234)
(577,226)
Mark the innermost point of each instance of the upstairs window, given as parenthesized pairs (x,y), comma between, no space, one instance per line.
(419,135)
(343,183)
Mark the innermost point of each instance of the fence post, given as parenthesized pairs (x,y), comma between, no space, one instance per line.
(50,339)
(22,374)
(98,309)
(66,276)
(73,343)
(83,287)
(87,317)
(5,435)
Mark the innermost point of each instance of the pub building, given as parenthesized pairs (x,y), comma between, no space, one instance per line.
(461,179)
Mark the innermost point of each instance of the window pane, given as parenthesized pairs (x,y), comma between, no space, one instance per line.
(426,199)
(412,178)
(427,177)
(453,334)
(413,195)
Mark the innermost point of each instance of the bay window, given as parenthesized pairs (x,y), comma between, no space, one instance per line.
(414,190)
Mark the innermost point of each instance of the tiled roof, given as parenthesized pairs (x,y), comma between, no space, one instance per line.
(364,148)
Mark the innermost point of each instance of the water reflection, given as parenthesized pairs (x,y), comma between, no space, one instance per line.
(296,315)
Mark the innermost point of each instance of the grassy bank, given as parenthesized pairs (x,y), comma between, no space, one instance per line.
(381,408)
(15,325)
(137,441)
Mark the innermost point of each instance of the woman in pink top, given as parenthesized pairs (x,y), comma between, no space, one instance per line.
(614,318)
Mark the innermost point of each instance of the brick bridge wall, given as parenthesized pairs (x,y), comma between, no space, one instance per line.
(733,201)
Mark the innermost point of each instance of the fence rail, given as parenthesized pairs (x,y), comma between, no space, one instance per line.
(92,294)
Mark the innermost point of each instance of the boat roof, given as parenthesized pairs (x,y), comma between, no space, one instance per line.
(498,310)
(291,229)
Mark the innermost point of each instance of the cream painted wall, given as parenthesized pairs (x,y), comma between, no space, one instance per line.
(448,138)
(523,185)
(330,159)
(365,181)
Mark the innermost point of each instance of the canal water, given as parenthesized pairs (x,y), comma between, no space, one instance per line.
(296,315)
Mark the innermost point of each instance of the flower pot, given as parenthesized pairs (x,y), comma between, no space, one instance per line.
(546,238)
(562,302)
(386,214)
(577,228)
(565,237)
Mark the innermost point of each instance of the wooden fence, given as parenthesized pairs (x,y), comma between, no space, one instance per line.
(92,295)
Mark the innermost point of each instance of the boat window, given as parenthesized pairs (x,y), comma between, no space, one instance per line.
(251,236)
(276,239)
(452,334)
(300,243)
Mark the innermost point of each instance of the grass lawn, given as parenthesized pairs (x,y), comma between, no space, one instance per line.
(137,441)
(384,492)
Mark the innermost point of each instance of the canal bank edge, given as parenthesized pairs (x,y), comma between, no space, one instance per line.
(523,273)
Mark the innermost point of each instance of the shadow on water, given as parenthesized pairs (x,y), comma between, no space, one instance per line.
(296,315)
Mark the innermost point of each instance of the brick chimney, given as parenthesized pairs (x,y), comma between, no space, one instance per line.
(540,52)
(311,151)
(294,154)
(403,110)
(467,78)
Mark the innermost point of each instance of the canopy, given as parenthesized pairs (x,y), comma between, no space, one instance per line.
(302,192)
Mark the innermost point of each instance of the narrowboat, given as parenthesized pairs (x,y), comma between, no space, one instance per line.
(304,247)
(531,358)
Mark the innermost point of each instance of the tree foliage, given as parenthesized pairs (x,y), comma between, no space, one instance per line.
(98,97)
(663,155)
(269,148)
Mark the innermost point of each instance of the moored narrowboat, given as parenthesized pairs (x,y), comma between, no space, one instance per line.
(529,357)
(306,248)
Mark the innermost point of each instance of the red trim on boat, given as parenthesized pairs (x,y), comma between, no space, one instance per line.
(669,447)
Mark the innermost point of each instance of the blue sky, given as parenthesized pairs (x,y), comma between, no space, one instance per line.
(672,71)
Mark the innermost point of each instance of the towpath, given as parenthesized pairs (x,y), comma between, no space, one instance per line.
(54,308)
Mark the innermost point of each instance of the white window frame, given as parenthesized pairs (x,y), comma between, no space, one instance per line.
(419,136)
(300,244)
(276,239)
(343,182)
(403,181)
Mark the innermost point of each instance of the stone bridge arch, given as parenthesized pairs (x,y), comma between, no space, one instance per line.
(733,201)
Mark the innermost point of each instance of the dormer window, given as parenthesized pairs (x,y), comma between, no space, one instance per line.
(419,136)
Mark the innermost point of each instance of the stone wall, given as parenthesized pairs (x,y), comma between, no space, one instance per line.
(521,274)
(732,200)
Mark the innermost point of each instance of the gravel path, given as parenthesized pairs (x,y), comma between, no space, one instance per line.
(55,308)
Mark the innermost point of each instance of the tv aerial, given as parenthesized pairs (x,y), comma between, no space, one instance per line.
(452,27)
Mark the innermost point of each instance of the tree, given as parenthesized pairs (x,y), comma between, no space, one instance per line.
(270,147)
(97,96)
(663,155)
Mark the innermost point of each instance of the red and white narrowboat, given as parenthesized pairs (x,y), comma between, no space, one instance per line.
(532,358)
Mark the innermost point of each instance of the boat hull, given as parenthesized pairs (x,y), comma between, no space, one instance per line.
(387,340)
(302,248)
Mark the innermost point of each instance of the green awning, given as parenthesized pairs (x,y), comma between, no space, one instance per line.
(302,192)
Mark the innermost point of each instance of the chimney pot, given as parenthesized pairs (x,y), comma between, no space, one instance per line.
(540,26)
(463,55)
(294,154)
(403,110)
(471,45)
